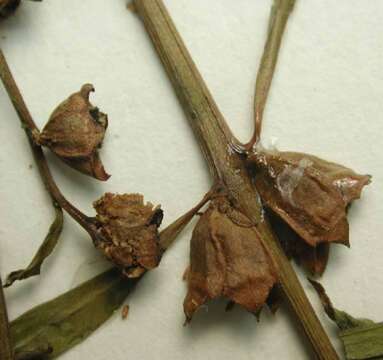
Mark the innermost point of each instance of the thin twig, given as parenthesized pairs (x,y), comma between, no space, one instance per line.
(6,350)
(170,233)
(279,15)
(32,130)
(225,163)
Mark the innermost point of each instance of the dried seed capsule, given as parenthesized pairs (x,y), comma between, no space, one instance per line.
(129,231)
(227,259)
(311,195)
(75,131)
(7,7)
(308,193)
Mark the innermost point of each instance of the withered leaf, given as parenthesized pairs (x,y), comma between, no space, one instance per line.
(362,338)
(68,319)
(43,252)
(227,259)
(130,232)
(75,132)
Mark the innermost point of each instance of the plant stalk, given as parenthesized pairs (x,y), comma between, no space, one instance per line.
(32,130)
(225,162)
(6,350)
(280,12)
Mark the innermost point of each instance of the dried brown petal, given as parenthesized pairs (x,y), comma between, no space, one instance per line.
(130,232)
(227,259)
(308,193)
(75,132)
(7,7)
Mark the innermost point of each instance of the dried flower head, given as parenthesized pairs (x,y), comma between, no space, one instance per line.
(7,7)
(311,195)
(129,231)
(75,131)
(227,259)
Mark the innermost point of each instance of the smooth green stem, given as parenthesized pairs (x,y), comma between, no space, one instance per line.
(279,15)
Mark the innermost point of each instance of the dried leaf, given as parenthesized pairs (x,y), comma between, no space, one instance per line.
(362,338)
(68,319)
(227,259)
(75,131)
(43,252)
(130,232)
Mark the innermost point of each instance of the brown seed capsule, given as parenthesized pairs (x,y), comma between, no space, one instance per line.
(7,7)
(75,131)
(227,259)
(311,195)
(129,231)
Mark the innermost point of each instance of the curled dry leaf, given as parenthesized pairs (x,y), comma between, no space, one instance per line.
(311,195)
(227,259)
(7,7)
(129,231)
(75,132)
(43,252)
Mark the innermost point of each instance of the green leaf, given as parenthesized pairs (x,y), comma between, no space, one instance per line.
(68,319)
(362,338)
(43,252)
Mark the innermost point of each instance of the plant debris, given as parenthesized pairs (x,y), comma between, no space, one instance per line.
(125,312)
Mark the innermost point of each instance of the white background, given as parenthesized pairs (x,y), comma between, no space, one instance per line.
(326,99)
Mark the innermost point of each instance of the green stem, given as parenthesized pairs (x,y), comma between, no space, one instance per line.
(279,15)
(226,164)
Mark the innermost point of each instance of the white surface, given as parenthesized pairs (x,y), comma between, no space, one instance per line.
(326,99)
